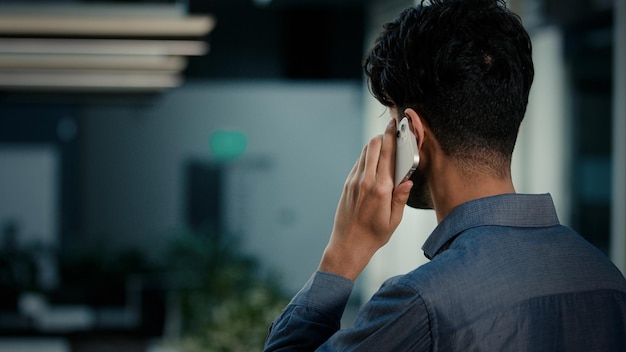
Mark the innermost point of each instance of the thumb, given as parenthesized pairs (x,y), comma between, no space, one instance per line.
(399,199)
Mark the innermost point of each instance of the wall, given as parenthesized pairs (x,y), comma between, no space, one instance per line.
(541,159)
(303,138)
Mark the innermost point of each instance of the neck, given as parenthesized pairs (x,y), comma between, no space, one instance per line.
(453,186)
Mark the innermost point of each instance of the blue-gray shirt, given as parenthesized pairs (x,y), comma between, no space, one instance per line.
(504,275)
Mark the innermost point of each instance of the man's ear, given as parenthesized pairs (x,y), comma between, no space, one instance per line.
(416,124)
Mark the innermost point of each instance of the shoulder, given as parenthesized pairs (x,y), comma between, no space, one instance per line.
(419,286)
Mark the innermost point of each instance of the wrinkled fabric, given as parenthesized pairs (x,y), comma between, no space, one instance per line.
(504,275)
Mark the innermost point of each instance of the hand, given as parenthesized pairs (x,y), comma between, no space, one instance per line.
(369,210)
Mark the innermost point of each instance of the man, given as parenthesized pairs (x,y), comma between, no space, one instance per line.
(503,273)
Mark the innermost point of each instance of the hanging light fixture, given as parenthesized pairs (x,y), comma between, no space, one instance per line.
(98,47)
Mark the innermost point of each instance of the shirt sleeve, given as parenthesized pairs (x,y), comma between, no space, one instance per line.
(312,316)
(394,319)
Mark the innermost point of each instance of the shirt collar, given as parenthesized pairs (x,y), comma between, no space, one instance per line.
(513,210)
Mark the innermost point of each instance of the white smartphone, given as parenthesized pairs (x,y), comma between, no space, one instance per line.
(407,154)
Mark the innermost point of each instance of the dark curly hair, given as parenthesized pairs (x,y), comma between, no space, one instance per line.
(465,66)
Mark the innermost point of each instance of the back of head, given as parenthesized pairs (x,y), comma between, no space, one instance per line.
(465,66)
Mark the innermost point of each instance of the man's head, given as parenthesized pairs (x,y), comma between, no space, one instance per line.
(465,67)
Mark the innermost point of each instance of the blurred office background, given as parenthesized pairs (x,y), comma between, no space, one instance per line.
(169,170)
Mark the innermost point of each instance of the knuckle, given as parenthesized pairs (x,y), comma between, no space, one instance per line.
(376,142)
(350,184)
(366,184)
(381,189)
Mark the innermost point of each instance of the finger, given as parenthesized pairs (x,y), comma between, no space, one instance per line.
(361,166)
(371,159)
(357,164)
(351,186)
(398,201)
(388,151)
